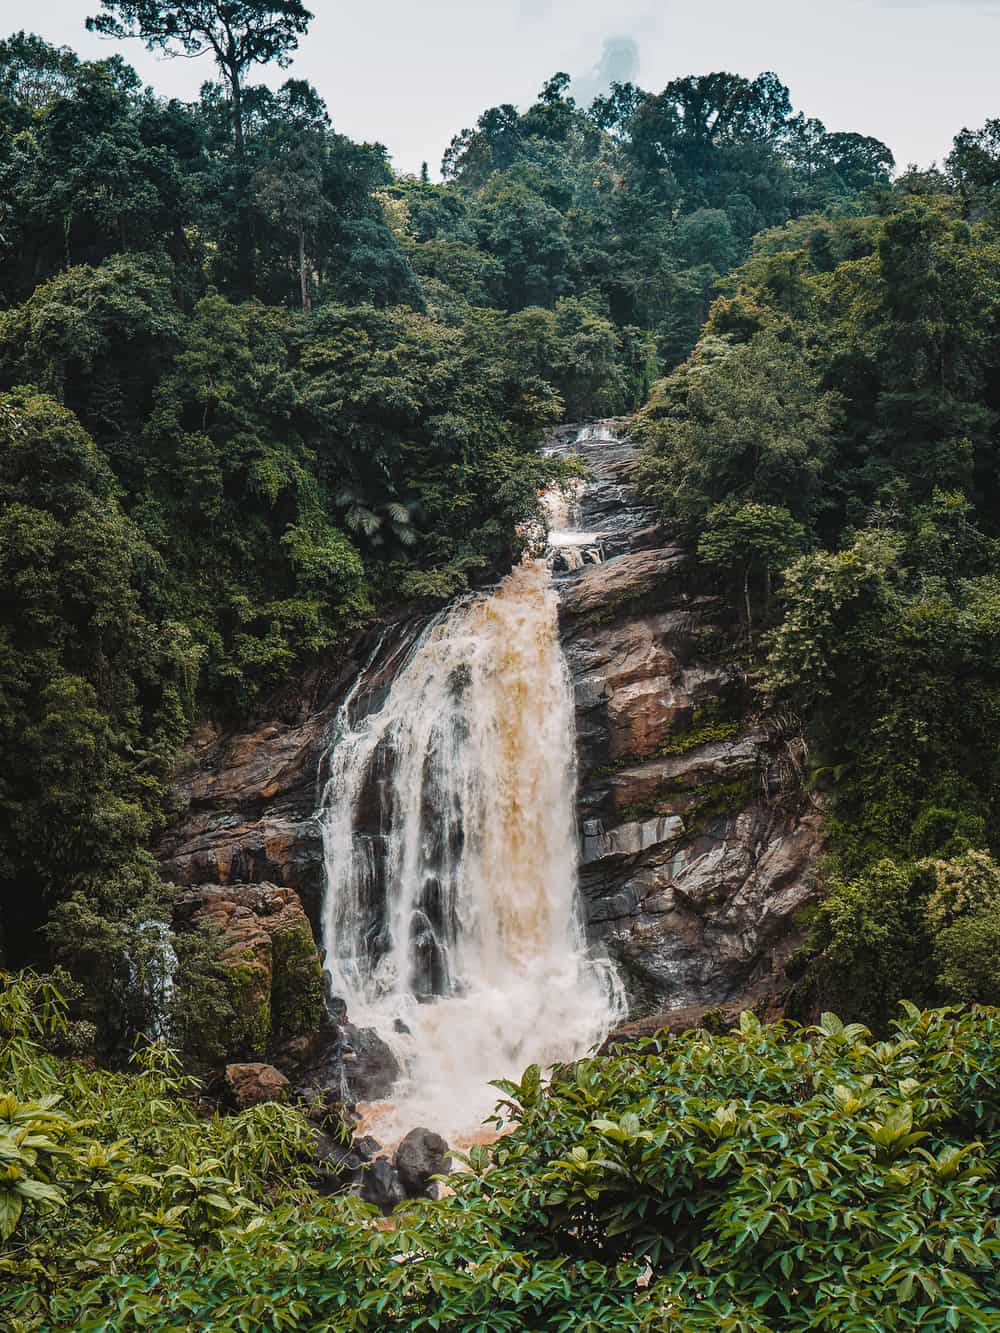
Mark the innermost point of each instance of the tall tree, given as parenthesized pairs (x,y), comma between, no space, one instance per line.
(238,33)
(289,184)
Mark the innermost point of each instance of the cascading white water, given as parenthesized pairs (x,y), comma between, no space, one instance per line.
(152,967)
(451,919)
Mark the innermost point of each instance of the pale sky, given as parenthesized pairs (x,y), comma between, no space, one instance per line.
(411,74)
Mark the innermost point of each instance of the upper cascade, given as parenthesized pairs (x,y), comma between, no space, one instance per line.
(451,921)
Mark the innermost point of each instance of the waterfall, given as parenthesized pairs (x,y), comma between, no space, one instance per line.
(451,920)
(152,967)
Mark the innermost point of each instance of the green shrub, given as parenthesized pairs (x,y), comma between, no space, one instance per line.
(777,1179)
(968,885)
(967,955)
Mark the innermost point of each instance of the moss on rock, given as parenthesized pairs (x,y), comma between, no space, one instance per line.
(268,959)
(296,982)
(249,984)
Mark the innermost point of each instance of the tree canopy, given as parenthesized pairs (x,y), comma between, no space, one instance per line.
(846,388)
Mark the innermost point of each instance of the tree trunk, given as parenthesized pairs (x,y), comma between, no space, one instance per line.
(746,602)
(245,258)
(237,96)
(304,271)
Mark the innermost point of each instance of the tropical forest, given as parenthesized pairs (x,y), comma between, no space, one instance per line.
(499,688)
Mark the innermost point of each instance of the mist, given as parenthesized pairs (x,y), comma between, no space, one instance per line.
(619,63)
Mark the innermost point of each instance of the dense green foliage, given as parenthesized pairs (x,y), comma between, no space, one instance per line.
(778,1179)
(255,388)
(843,401)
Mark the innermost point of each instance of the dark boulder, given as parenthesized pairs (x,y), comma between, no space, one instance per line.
(367,1147)
(370,1067)
(330,1114)
(337,1167)
(421,1155)
(339,1066)
(381,1185)
(342,1165)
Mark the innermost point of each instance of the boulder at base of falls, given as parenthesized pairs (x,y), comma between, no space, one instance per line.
(253,1084)
(272,966)
(421,1155)
(370,1067)
(381,1185)
(339,1063)
(341,1165)
(718,1020)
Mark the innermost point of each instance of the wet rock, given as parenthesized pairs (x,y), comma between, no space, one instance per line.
(367,1147)
(253,1084)
(250,801)
(249,796)
(628,839)
(382,1186)
(637,682)
(342,1065)
(719,915)
(336,1167)
(301,1052)
(421,1155)
(371,1067)
(339,1158)
(336,1005)
(674,1021)
(330,1114)
(620,585)
(340,1165)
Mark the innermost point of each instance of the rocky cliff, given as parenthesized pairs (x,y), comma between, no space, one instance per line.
(698,853)
(249,797)
(697,858)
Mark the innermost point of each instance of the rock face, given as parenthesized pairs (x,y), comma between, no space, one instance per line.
(382,1186)
(249,797)
(697,856)
(249,803)
(351,1064)
(271,961)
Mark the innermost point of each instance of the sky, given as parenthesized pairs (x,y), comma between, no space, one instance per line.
(411,73)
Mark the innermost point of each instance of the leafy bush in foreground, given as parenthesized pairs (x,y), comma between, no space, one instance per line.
(782,1178)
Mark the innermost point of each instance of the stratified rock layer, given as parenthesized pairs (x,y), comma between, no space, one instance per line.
(696,859)
(249,801)
(249,797)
